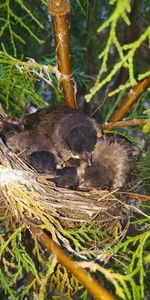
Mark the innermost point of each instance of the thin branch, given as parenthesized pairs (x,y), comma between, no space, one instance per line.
(134,196)
(130,99)
(134,122)
(59,11)
(96,290)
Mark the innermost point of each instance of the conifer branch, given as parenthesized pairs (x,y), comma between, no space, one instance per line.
(10,17)
(126,52)
(96,290)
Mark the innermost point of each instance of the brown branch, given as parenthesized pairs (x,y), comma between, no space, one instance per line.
(134,122)
(130,99)
(60,13)
(96,290)
(134,196)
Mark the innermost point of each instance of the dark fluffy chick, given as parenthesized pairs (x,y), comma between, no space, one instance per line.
(109,169)
(67,178)
(27,142)
(43,162)
(72,133)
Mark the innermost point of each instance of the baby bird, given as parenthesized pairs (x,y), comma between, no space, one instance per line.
(27,142)
(67,178)
(109,169)
(72,134)
(43,162)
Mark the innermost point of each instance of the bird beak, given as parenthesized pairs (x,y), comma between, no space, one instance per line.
(87,156)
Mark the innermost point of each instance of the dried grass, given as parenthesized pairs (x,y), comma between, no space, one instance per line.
(26,194)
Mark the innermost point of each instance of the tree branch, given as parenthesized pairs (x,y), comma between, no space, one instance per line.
(130,99)
(135,196)
(60,13)
(134,122)
(96,290)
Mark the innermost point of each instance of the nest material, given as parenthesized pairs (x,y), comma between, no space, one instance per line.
(27,194)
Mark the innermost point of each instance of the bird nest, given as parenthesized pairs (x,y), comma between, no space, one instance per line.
(26,195)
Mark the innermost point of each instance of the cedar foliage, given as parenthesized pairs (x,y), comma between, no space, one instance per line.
(106,62)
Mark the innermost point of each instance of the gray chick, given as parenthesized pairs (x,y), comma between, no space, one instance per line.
(110,167)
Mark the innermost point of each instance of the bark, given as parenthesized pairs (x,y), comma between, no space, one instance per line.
(134,122)
(59,11)
(130,99)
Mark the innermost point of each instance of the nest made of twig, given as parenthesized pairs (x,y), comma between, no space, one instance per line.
(27,194)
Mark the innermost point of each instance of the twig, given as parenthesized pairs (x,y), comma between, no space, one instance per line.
(134,196)
(96,290)
(134,122)
(60,13)
(130,99)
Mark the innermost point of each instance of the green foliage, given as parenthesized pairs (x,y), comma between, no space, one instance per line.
(18,13)
(126,52)
(84,236)
(17,86)
(22,32)
(21,265)
(146,127)
(18,83)
(26,31)
(24,260)
(24,25)
(134,269)
(143,170)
